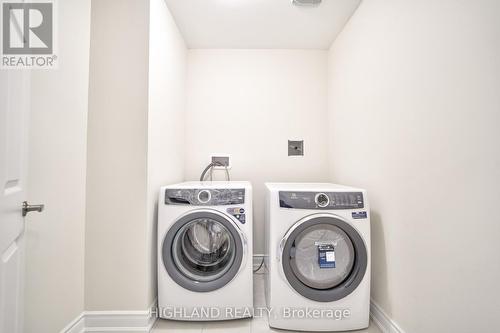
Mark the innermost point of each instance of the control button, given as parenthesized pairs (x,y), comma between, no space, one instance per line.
(242,210)
(204,196)
(322,200)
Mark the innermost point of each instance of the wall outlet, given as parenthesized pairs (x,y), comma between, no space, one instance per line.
(221,158)
(295,148)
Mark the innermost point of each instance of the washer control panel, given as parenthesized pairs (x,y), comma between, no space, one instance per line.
(205,197)
(321,200)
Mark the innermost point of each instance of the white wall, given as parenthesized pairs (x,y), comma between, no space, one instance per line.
(58,135)
(116,268)
(136,144)
(166,116)
(414,108)
(248,103)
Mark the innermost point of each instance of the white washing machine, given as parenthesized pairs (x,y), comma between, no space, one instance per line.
(317,257)
(205,251)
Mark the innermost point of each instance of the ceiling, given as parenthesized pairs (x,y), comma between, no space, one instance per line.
(269,24)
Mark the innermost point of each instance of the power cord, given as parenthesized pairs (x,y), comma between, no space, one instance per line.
(211,167)
(260,266)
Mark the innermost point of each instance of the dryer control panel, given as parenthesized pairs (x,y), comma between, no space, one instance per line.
(321,200)
(205,197)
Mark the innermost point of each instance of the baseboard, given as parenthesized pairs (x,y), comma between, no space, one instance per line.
(77,325)
(113,321)
(382,320)
(119,321)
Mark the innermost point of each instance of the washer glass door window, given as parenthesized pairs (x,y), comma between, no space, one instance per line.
(202,251)
(301,263)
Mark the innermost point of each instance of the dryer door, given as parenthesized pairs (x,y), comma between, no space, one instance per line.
(324,258)
(203,250)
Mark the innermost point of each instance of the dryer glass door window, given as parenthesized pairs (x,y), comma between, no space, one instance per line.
(305,262)
(203,249)
(333,276)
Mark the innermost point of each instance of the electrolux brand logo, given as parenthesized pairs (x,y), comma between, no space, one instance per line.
(28,34)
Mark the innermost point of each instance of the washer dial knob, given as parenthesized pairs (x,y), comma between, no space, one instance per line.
(204,196)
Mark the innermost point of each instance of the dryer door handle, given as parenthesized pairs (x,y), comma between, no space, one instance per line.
(281,247)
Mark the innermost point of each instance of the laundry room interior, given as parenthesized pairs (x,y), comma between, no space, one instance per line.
(398,100)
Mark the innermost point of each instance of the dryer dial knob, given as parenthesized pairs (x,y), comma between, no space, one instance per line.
(322,200)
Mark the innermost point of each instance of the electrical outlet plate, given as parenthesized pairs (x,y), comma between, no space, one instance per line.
(295,148)
(222,158)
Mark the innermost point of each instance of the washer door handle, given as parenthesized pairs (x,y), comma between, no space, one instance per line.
(293,251)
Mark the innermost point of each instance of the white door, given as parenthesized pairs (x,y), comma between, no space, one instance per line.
(14,111)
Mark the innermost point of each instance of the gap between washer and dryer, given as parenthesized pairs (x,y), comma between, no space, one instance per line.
(251,325)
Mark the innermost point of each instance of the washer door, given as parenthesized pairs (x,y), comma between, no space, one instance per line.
(203,251)
(301,263)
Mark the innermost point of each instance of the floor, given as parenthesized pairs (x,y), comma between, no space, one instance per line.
(254,325)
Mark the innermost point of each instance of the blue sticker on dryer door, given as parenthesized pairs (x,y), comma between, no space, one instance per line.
(326,256)
(359,215)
